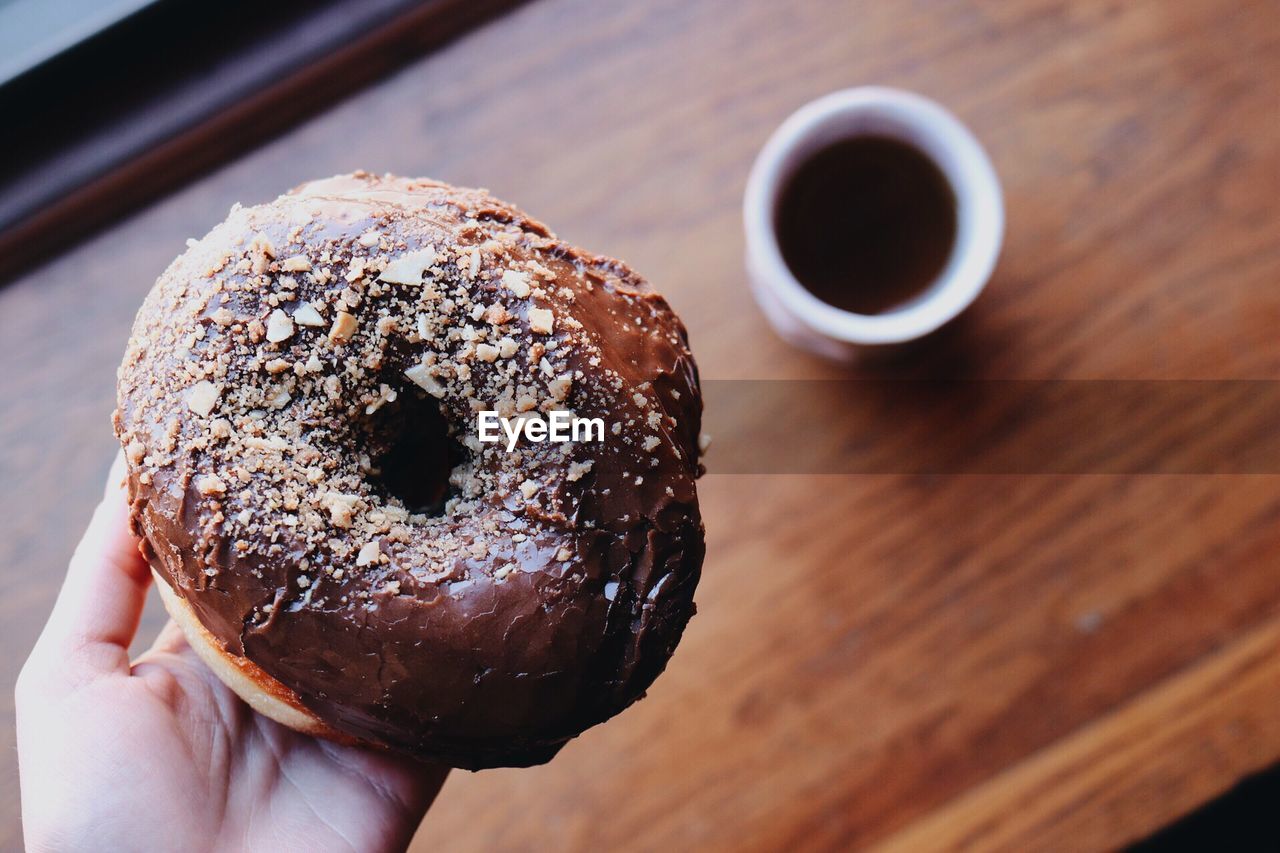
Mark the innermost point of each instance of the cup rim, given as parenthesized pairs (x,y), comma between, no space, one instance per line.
(971,175)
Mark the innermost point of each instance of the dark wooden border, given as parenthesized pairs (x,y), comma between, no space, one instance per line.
(73,186)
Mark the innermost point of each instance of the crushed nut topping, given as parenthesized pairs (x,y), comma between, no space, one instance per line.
(296,340)
(409,269)
(307,315)
(541,320)
(202,397)
(279,327)
(344,327)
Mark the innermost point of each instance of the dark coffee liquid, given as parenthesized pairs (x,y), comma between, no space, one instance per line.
(867,224)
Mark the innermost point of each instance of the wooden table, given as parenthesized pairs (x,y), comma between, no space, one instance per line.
(918,662)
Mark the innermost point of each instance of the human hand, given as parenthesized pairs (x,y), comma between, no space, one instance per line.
(161,755)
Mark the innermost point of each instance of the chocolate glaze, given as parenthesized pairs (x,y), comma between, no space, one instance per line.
(512,642)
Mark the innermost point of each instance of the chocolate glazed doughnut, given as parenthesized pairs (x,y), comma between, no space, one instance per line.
(298,407)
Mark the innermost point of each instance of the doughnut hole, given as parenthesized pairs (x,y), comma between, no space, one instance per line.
(412,453)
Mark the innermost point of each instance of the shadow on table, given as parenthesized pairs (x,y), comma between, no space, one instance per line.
(1243,819)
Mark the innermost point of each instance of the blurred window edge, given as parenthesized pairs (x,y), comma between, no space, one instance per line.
(32,32)
(140,106)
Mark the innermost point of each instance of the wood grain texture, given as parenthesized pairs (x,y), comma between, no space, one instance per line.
(926,662)
(1084,785)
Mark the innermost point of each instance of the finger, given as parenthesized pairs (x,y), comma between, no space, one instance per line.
(98,609)
(170,640)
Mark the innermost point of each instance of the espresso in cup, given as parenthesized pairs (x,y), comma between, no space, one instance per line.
(867,223)
(872,218)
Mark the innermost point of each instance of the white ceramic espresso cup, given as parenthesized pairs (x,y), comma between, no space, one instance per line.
(805,320)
